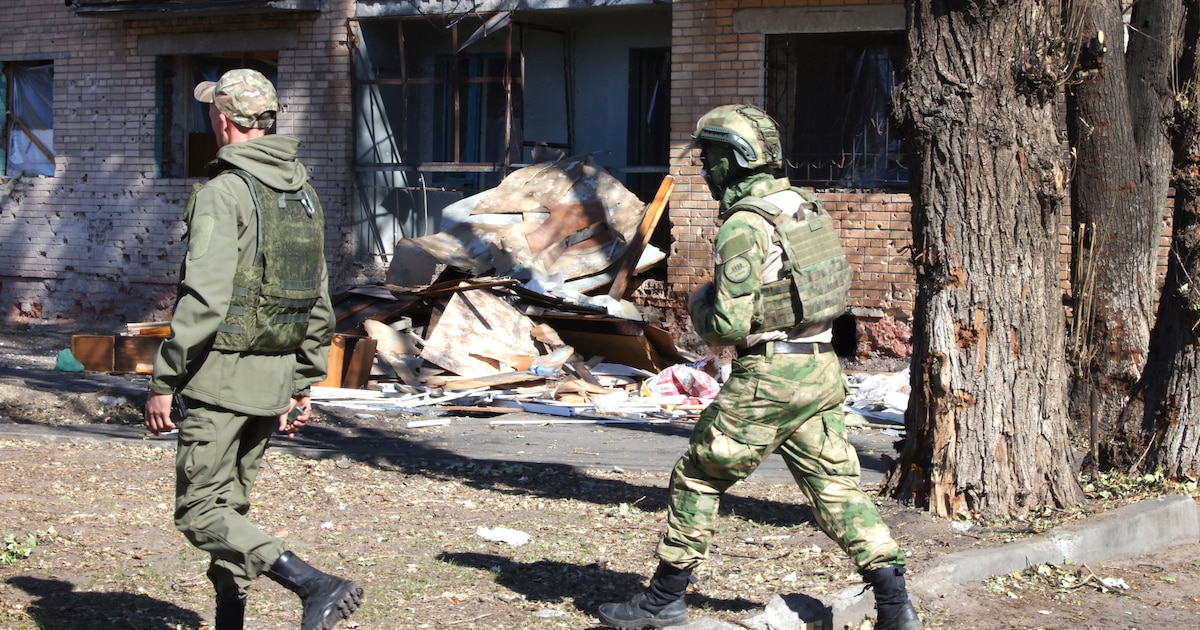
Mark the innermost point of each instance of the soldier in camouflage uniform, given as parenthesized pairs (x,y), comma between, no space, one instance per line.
(250,334)
(786,388)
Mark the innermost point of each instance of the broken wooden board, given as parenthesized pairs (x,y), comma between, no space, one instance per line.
(635,344)
(350,361)
(479,334)
(637,245)
(95,352)
(451,383)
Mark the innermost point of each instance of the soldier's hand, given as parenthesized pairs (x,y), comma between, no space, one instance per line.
(157,414)
(296,416)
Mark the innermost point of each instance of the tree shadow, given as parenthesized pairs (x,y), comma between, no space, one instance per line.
(58,606)
(555,582)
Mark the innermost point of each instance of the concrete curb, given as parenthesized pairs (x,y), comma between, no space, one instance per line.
(1150,525)
(1144,527)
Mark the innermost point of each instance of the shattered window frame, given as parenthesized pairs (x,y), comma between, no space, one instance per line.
(831,93)
(185,142)
(455,96)
(27,99)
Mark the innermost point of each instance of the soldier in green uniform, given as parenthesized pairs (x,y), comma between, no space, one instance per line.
(781,278)
(249,336)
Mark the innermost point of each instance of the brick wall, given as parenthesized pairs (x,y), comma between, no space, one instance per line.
(102,239)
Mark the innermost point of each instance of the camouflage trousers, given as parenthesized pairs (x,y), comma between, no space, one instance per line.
(790,402)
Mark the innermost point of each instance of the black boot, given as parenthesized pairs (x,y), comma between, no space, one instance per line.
(893,609)
(231,613)
(327,599)
(659,606)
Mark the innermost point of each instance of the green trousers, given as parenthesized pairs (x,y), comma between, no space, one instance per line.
(216,463)
(790,402)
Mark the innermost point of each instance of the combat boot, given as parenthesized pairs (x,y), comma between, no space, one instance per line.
(231,613)
(661,605)
(327,599)
(893,609)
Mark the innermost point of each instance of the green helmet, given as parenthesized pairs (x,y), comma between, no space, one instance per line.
(747,130)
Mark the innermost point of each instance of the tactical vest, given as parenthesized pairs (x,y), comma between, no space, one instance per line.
(817,276)
(273,297)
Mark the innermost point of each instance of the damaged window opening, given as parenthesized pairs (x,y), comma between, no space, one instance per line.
(27,99)
(432,96)
(438,117)
(830,93)
(186,141)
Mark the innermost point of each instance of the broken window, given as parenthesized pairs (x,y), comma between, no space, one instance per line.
(186,140)
(27,99)
(830,93)
(448,97)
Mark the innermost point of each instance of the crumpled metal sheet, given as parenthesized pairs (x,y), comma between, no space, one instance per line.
(579,219)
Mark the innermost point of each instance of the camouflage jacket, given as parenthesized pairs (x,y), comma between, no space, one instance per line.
(745,259)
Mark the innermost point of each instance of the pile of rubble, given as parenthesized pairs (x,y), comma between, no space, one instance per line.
(517,303)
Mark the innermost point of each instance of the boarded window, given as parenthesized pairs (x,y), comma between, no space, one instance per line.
(186,140)
(831,94)
(27,98)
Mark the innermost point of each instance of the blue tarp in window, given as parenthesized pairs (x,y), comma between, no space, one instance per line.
(33,108)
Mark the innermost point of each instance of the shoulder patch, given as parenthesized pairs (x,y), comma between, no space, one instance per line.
(737,270)
(199,236)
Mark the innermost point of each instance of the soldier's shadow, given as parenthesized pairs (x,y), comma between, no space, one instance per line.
(58,606)
(553,581)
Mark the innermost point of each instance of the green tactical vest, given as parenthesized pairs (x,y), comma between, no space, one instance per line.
(817,275)
(273,297)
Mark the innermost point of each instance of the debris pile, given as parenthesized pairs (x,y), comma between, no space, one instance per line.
(517,303)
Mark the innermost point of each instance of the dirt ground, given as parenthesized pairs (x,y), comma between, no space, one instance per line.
(88,541)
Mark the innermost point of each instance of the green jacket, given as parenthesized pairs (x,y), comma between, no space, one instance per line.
(222,232)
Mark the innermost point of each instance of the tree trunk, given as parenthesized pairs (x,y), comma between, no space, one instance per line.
(1172,374)
(1119,192)
(987,420)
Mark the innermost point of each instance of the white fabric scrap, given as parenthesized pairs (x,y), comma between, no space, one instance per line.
(513,537)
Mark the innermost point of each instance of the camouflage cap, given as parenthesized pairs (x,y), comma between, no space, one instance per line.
(245,96)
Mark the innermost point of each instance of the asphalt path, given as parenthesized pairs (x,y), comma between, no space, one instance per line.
(385,436)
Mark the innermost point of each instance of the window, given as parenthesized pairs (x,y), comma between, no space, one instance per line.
(27,102)
(454,100)
(830,93)
(186,141)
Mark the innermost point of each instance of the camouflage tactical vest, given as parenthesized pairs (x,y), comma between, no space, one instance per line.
(273,297)
(817,276)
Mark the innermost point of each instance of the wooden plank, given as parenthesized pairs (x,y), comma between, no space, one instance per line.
(95,352)
(633,252)
(358,369)
(134,354)
(493,380)
(337,362)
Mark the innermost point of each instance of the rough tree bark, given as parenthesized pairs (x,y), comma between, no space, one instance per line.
(1172,375)
(987,419)
(1119,192)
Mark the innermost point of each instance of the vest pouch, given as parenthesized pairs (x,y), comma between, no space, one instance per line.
(283,315)
(777,306)
(236,331)
(822,289)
